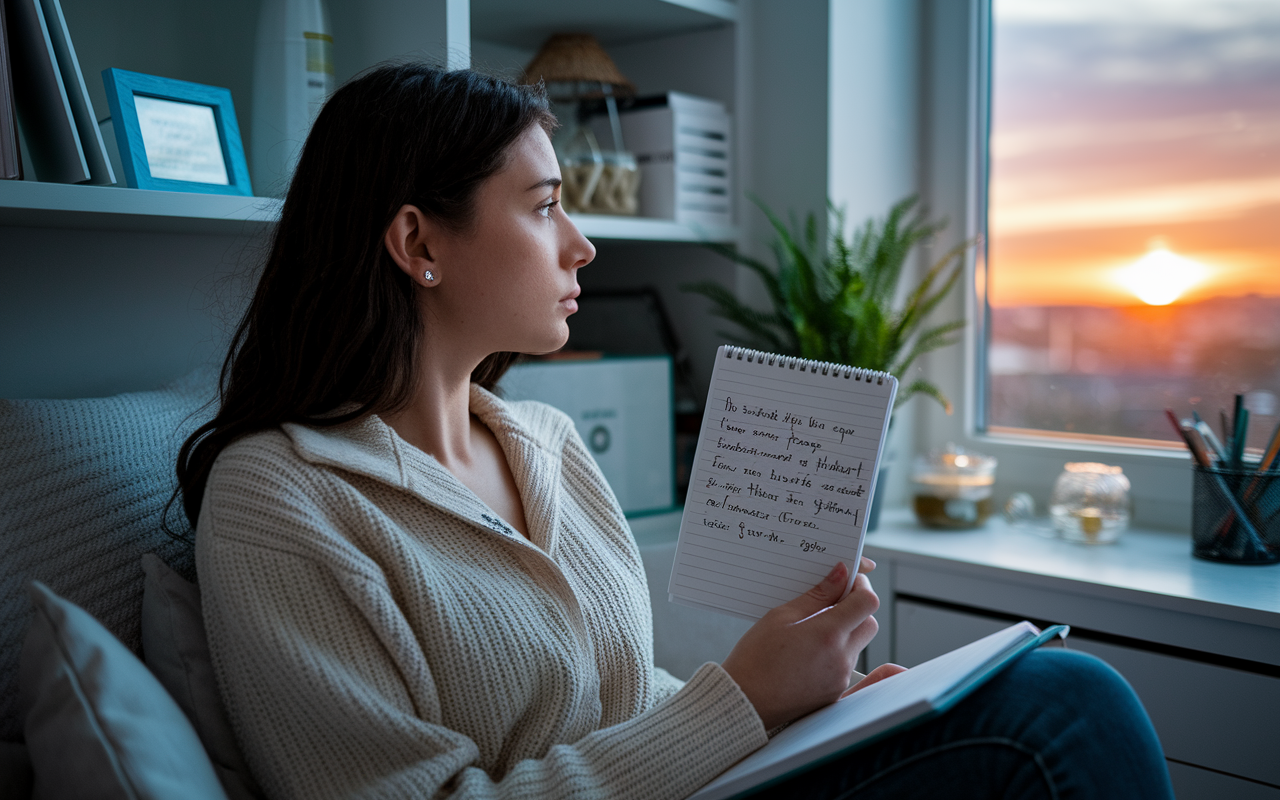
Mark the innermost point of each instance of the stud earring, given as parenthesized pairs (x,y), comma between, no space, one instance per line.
(428,276)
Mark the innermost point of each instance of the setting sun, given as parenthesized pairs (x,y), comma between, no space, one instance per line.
(1160,277)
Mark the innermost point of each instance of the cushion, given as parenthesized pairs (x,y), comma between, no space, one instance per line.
(82,487)
(176,650)
(97,723)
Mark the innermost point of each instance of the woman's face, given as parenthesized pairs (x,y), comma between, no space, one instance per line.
(509,282)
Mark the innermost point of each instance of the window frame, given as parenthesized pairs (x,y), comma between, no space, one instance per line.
(956,56)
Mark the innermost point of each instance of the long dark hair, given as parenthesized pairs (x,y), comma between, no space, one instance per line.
(334,320)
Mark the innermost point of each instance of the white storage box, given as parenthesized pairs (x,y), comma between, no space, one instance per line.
(684,150)
(622,409)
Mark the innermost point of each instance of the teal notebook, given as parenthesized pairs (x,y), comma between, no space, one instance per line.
(884,708)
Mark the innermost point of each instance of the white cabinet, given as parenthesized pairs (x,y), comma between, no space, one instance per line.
(1213,721)
(1199,642)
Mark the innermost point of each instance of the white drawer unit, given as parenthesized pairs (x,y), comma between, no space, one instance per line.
(1199,642)
(1213,721)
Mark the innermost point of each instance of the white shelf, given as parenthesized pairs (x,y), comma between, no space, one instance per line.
(517,23)
(58,205)
(642,229)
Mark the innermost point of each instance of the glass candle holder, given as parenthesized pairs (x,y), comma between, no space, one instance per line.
(1090,503)
(952,488)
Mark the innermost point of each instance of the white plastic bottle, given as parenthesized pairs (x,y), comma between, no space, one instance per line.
(292,77)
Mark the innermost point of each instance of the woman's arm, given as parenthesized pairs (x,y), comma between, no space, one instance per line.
(330,694)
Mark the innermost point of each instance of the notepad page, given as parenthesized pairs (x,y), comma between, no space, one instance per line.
(785,466)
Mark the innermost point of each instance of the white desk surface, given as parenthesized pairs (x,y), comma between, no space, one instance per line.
(1152,568)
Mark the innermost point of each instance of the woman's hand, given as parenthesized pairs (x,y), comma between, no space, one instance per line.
(875,676)
(799,656)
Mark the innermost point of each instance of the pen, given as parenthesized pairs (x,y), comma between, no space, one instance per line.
(1196,442)
(1211,439)
(1226,429)
(1191,437)
(1236,445)
(1259,480)
(1241,433)
(1273,450)
(1177,428)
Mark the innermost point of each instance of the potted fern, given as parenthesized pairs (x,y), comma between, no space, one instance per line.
(834,300)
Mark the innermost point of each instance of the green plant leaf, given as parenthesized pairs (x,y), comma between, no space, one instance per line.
(932,339)
(924,387)
(833,300)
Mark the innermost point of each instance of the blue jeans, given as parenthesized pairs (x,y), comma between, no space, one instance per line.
(1054,724)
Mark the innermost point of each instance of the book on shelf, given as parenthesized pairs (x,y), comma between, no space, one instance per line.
(784,470)
(82,113)
(52,103)
(889,706)
(10,155)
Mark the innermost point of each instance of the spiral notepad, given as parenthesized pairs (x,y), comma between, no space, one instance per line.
(784,471)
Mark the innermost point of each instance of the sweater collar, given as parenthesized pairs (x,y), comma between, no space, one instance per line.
(532,440)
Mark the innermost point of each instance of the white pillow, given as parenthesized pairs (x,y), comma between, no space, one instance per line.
(97,723)
(176,650)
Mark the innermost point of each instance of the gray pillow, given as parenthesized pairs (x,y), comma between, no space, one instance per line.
(177,652)
(82,486)
(98,724)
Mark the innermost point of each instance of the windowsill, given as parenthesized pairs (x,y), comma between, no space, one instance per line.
(1144,567)
(1114,445)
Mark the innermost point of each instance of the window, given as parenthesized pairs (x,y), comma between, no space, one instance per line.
(1133,215)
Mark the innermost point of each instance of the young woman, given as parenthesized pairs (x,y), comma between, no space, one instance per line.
(415,589)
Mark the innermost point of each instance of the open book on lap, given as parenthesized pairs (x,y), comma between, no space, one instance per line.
(886,707)
(785,468)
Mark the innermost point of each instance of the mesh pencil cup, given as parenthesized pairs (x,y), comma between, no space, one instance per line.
(1235,515)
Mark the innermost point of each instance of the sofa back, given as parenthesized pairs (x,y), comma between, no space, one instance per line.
(83,484)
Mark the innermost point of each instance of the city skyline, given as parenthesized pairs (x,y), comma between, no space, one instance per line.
(1121,128)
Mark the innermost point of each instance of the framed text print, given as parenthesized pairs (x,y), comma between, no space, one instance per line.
(176,136)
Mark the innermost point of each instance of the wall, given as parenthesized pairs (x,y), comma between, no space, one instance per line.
(87,313)
(873,136)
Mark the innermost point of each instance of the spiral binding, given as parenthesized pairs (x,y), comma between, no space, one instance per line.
(804,364)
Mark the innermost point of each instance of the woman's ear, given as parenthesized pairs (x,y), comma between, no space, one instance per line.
(407,240)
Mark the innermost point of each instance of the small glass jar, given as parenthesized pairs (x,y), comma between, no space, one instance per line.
(597,181)
(1090,503)
(952,488)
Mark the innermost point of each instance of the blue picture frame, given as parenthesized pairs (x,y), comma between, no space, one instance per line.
(123,87)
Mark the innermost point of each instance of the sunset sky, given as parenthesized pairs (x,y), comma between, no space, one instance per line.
(1122,127)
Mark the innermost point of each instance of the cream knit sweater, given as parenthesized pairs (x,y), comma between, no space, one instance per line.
(377,631)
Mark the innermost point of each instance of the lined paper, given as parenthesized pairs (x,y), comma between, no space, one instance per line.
(785,466)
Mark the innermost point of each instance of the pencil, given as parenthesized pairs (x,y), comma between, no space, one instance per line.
(1177,426)
(1237,443)
(1273,450)
(1264,466)
(1211,439)
(1242,433)
(1196,442)
(1185,433)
